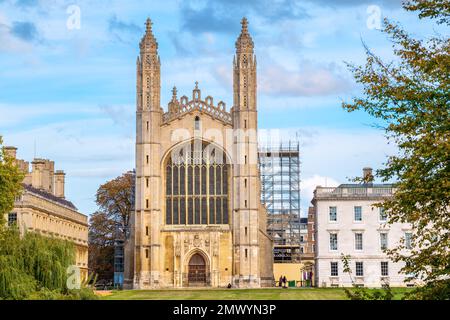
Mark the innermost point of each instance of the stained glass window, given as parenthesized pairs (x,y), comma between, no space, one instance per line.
(197,186)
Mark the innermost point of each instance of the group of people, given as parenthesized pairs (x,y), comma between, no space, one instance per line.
(282,282)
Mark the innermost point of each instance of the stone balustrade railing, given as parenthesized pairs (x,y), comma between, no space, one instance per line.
(375,191)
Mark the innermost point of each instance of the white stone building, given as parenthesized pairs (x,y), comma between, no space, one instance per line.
(347,222)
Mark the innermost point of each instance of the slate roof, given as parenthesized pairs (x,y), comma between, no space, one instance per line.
(49,196)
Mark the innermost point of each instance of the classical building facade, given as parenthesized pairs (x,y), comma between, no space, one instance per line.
(198,217)
(43,208)
(348,222)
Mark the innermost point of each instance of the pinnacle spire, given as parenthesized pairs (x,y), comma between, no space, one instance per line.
(149,25)
(196,92)
(244,42)
(149,40)
(244,23)
(174,93)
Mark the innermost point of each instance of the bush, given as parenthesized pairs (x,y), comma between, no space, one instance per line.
(438,290)
(47,294)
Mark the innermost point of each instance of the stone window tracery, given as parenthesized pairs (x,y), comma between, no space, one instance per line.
(196,185)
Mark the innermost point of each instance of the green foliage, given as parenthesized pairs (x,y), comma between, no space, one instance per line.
(80,294)
(411,97)
(115,199)
(101,245)
(14,283)
(436,9)
(437,290)
(11,178)
(361,293)
(35,267)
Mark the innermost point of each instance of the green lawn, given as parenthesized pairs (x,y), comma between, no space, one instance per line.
(238,294)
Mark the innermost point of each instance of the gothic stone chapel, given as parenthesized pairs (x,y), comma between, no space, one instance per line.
(198,217)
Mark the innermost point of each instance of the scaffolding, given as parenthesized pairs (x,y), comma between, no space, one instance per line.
(280,192)
(118,262)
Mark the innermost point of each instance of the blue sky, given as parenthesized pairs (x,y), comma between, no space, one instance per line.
(71,92)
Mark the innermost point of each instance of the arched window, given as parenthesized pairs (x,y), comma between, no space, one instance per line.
(196,185)
(197,123)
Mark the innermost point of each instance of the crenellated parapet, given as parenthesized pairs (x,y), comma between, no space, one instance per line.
(177,108)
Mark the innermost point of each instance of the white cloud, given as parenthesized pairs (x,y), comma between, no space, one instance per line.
(309,184)
(342,153)
(223,74)
(96,172)
(19,114)
(91,151)
(121,114)
(312,79)
(332,156)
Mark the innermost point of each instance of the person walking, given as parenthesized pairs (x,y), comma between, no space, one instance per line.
(284,282)
(280,281)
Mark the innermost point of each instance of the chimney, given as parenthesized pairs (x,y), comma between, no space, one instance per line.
(22,164)
(37,168)
(10,151)
(42,174)
(59,183)
(367,175)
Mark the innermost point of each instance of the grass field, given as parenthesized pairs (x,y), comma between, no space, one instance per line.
(237,294)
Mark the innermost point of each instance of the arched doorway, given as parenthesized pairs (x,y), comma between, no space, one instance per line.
(197,270)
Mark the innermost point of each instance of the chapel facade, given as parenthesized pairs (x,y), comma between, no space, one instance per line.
(198,218)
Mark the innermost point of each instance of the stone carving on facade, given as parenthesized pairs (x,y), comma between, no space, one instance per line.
(197,241)
(183,106)
(215,249)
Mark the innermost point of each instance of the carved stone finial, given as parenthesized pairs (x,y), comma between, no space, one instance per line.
(244,23)
(149,25)
(174,93)
(148,40)
(244,43)
(196,92)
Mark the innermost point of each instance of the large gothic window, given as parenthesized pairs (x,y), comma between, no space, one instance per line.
(197,185)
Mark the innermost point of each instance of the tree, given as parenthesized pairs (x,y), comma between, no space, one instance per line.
(11,178)
(101,245)
(115,199)
(411,98)
(33,266)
